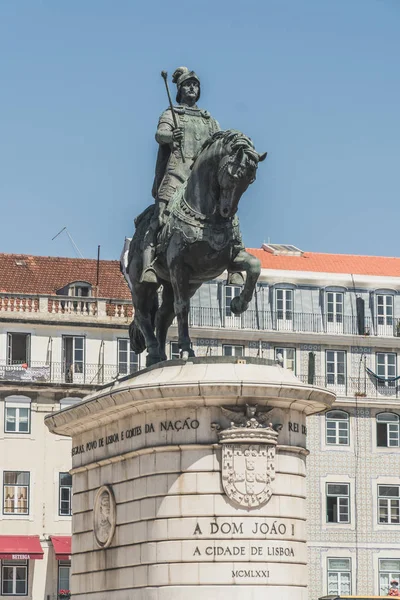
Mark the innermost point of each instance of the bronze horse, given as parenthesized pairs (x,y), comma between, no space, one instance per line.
(199,241)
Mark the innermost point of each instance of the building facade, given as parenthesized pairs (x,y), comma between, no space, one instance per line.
(333,319)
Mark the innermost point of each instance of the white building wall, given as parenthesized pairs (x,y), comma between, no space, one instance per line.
(364,464)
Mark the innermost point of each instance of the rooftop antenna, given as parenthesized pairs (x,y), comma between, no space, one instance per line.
(75,247)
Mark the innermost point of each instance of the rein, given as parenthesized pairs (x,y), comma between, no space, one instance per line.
(185,213)
(180,208)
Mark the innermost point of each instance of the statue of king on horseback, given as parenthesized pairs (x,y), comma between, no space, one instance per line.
(191,234)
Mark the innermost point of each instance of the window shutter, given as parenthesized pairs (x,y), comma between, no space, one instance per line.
(360,306)
(311,368)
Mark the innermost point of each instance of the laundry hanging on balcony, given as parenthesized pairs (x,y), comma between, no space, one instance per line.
(380,378)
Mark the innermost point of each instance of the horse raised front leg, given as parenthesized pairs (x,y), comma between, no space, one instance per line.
(249,263)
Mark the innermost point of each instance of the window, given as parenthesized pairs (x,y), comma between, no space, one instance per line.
(231,291)
(337,428)
(229,350)
(64,574)
(73,358)
(65,495)
(17,414)
(286,357)
(18,348)
(16,492)
(389,570)
(174,350)
(388,504)
(334,307)
(339,576)
(284,305)
(386,367)
(128,361)
(384,305)
(335,367)
(387,430)
(384,314)
(81,290)
(337,503)
(14,577)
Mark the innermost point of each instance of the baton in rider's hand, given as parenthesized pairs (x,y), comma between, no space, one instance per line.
(164,75)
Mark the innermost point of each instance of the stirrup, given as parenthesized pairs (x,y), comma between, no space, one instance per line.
(148,276)
(235,279)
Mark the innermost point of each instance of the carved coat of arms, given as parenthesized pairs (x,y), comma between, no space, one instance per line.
(248,455)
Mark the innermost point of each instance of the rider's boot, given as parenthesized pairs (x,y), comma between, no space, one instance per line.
(235,279)
(148,273)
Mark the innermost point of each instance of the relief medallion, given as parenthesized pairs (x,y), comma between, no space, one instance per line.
(104,516)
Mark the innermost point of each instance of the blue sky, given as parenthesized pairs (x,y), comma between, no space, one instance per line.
(313,82)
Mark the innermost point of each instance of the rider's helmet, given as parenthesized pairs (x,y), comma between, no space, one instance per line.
(180,75)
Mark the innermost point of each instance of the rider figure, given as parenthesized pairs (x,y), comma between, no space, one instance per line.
(195,126)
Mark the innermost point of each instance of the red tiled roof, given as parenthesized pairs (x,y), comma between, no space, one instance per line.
(47,274)
(330,263)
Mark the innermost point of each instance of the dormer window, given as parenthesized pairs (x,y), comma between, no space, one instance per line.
(78,289)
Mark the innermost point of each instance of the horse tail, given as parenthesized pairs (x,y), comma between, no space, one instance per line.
(138,343)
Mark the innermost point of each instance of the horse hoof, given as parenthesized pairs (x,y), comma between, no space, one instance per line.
(238,306)
(152,360)
(185,354)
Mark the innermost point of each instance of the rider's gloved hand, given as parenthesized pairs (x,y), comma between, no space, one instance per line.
(177,135)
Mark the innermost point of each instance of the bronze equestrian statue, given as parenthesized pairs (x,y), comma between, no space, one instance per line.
(191,234)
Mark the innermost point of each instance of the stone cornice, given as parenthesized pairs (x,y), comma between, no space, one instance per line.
(194,384)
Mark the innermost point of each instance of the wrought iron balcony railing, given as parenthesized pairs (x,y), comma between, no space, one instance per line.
(355,387)
(57,372)
(201,316)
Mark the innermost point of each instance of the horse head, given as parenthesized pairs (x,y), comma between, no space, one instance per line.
(237,169)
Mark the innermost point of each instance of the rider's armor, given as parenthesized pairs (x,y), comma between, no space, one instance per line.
(171,172)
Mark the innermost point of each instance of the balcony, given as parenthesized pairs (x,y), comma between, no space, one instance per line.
(64,308)
(78,309)
(293,322)
(361,388)
(58,373)
(365,387)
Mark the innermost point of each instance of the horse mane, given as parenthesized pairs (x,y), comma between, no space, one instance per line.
(236,139)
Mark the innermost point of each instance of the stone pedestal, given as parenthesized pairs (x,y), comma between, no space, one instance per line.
(186,485)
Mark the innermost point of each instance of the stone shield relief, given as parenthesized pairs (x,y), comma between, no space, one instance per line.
(248,454)
(247,473)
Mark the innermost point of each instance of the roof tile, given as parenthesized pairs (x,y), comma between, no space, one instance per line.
(330,263)
(47,274)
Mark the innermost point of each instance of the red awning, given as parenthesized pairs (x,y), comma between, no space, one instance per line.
(20,547)
(62,546)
